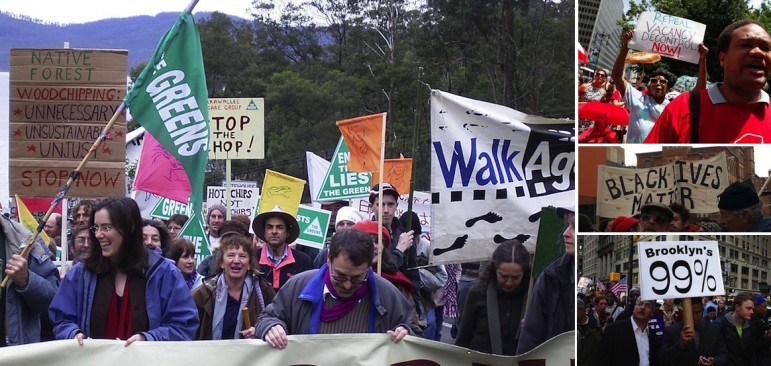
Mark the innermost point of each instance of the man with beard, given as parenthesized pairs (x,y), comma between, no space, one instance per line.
(644,109)
(276,259)
(733,111)
(343,296)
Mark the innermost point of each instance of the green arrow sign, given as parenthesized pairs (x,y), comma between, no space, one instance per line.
(339,183)
(165,208)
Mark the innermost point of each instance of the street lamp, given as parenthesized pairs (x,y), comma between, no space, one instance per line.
(601,39)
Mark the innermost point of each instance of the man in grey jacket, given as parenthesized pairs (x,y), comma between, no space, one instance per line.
(31,285)
(343,296)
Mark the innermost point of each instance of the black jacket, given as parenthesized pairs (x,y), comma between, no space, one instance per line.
(710,345)
(620,345)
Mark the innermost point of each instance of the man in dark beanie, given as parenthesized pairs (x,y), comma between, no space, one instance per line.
(741,209)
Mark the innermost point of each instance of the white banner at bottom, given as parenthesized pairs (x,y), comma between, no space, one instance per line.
(327,349)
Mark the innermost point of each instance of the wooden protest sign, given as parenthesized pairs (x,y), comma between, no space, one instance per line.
(60,101)
(669,36)
(237,128)
(677,269)
(693,183)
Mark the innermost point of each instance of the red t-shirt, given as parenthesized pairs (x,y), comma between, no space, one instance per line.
(719,121)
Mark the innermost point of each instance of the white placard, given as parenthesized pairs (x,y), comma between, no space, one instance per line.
(679,269)
(668,36)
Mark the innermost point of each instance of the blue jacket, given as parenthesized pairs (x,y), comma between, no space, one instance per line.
(24,307)
(171,312)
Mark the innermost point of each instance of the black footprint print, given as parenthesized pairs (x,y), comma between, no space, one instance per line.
(522,238)
(459,243)
(490,217)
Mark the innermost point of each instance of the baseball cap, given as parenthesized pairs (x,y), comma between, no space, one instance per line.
(387,189)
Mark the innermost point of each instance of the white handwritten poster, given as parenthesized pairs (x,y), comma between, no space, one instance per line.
(668,36)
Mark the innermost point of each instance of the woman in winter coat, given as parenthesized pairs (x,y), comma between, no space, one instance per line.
(122,290)
(495,306)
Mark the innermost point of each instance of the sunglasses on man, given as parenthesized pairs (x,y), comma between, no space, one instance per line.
(659,219)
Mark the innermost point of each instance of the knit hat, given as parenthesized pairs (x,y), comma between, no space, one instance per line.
(622,224)
(370,227)
(387,189)
(216,206)
(347,213)
(737,196)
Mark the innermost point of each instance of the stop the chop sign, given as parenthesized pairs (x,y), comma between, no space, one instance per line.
(678,269)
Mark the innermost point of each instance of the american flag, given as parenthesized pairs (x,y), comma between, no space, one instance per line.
(619,287)
(600,286)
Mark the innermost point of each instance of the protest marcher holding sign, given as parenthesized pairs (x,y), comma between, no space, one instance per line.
(645,109)
(680,346)
(734,111)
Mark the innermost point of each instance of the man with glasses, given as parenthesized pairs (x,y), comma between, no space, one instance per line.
(80,243)
(630,341)
(644,109)
(343,296)
(655,217)
(741,209)
(735,110)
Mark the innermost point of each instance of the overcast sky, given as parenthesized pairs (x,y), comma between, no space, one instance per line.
(762,156)
(84,11)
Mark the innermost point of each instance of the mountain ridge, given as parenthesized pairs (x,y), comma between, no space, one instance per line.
(138,34)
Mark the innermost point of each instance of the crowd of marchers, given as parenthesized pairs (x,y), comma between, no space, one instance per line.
(136,279)
(631,331)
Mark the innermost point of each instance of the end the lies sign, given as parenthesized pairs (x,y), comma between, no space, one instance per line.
(669,36)
(679,269)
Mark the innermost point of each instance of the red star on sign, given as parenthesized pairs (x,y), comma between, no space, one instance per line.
(17,111)
(107,150)
(31,148)
(17,132)
(119,133)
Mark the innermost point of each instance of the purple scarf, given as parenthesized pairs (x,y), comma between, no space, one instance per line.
(334,312)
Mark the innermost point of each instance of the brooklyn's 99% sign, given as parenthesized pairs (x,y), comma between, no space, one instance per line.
(677,269)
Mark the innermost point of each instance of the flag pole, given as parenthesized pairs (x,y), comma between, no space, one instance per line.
(380,202)
(73,176)
(76,173)
(415,132)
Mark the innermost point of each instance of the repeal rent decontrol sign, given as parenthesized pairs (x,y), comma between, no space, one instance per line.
(237,128)
(60,102)
(679,269)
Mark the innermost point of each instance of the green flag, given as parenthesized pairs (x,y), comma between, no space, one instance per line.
(169,99)
(550,244)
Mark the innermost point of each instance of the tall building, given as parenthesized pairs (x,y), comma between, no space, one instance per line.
(744,258)
(599,32)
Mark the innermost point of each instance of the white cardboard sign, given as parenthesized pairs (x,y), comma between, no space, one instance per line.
(679,269)
(668,36)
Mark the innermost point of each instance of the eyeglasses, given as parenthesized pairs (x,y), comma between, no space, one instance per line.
(602,75)
(80,240)
(103,228)
(656,218)
(657,81)
(342,279)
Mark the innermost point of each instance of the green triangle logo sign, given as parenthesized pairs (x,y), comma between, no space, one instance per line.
(339,183)
(193,231)
(165,208)
(252,106)
(314,228)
